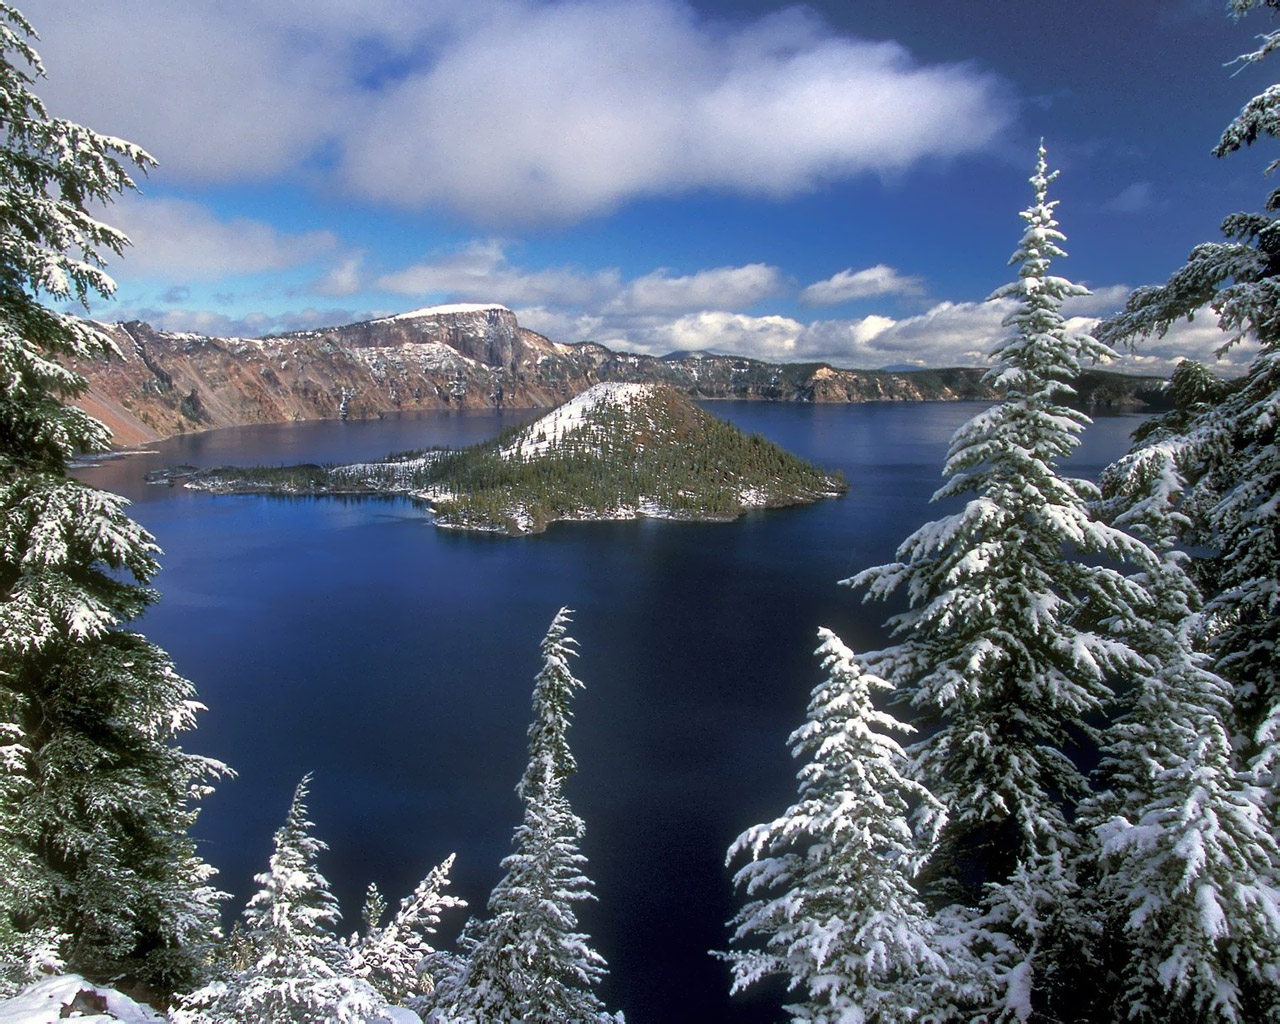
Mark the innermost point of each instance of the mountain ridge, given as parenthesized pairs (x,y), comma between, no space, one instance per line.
(463,356)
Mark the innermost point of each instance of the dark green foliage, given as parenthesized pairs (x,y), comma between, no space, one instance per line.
(96,870)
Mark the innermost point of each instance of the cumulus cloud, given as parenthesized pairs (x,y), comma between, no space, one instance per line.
(735,287)
(212,93)
(947,334)
(346,277)
(658,313)
(506,111)
(567,110)
(853,284)
(185,241)
(481,272)
(561,326)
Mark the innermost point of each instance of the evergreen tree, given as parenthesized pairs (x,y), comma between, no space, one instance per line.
(99,873)
(299,971)
(995,651)
(1184,864)
(1188,860)
(527,962)
(1229,451)
(832,877)
(1007,648)
(395,958)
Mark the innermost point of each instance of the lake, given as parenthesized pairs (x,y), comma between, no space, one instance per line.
(354,640)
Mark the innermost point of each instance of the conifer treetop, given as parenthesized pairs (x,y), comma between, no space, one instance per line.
(527,961)
(1041,353)
(295,903)
(553,689)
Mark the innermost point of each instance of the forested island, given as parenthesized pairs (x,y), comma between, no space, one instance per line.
(617,451)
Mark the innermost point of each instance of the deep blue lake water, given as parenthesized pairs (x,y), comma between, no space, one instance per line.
(354,640)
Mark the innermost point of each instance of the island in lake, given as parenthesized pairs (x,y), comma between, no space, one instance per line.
(616,451)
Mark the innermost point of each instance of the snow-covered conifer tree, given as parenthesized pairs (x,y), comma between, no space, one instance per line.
(830,880)
(999,648)
(394,957)
(1231,452)
(526,961)
(300,971)
(1009,643)
(99,872)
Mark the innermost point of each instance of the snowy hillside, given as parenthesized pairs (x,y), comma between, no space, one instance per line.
(539,437)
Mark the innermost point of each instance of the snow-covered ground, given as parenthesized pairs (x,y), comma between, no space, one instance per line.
(69,995)
(429,355)
(537,437)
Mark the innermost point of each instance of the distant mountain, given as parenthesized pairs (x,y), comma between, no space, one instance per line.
(460,356)
(616,451)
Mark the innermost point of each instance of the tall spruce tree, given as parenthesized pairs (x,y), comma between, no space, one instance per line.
(830,880)
(527,962)
(996,650)
(1230,451)
(1008,646)
(99,873)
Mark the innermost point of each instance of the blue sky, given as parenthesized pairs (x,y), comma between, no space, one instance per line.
(836,181)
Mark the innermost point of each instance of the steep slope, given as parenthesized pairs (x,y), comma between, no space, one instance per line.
(616,451)
(164,383)
(467,356)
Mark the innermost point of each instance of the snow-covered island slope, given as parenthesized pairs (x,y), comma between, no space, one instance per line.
(616,451)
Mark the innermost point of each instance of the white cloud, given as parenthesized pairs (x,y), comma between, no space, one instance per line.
(506,111)
(481,272)
(563,327)
(566,110)
(734,287)
(853,284)
(220,325)
(204,87)
(1135,198)
(771,337)
(346,277)
(1196,339)
(183,240)
(948,334)
(658,313)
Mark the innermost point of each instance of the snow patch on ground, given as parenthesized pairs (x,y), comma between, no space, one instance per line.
(55,999)
(540,435)
(459,307)
(429,355)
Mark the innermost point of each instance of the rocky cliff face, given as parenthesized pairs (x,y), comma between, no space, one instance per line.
(467,357)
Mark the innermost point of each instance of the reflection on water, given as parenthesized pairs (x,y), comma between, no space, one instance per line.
(395,661)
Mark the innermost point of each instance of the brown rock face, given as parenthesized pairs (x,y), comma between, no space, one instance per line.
(164,383)
(468,357)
